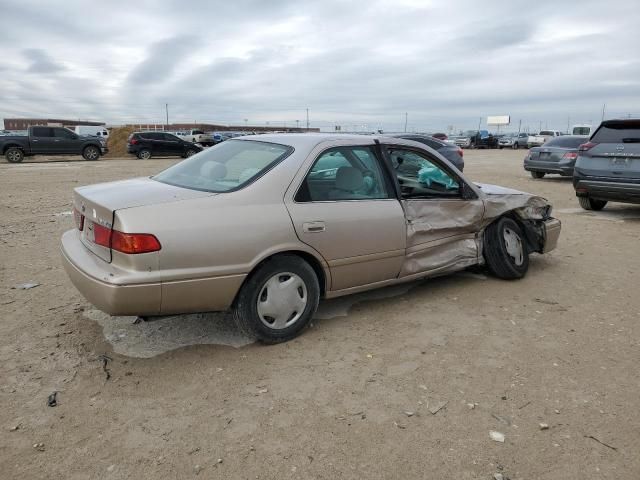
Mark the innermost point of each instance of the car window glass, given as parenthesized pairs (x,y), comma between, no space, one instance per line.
(41,132)
(565,142)
(169,137)
(606,134)
(62,133)
(345,173)
(419,177)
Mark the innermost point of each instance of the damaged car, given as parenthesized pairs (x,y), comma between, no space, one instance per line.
(268,226)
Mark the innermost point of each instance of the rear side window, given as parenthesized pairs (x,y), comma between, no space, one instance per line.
(617,134)
(565,142)
(228,166)
(41,132)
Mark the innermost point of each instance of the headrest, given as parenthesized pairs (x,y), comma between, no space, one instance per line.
(349,179)
(213,170)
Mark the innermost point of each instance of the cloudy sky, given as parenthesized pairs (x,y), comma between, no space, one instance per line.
(359,64)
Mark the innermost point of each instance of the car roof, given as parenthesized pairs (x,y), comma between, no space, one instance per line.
(622,123)
(309,140)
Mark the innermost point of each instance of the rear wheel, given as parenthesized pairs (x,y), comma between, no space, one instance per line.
(144,154)
(537,174)
(591,203)
(91,153)
(515,146)
(278,300)
(505,249)
(190,152)
(14,155)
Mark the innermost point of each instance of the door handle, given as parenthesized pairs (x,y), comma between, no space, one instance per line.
(313,227)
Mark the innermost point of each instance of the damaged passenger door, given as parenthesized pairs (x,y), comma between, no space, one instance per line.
(442,214)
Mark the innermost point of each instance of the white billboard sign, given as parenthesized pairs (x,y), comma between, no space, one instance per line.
(499,120)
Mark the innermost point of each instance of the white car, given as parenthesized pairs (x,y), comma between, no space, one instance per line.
(542,137)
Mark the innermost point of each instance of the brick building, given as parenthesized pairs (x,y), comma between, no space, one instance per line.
(24,123)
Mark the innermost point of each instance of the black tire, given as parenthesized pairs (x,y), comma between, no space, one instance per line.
(91,153)
(516,146)
(144,154)
(499,261)
(189,153)
(535,174)
(14,155)
(245,309)
(591,203)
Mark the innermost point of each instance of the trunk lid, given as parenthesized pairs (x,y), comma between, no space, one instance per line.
(616,151)
(99,203)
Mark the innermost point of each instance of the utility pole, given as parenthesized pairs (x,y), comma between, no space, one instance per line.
(540,129)
(604,106)
(568,122)
(519,125)
(406,118)
(297,124)
(166,109)
(307,119)
(479,123)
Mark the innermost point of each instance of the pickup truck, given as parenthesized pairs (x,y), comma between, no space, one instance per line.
(198,136)
(476,139)
(539,139)
(51,141)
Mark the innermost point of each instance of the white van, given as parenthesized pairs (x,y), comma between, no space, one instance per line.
(101,132)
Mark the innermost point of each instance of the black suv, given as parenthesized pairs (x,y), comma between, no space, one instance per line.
(608,165)
(144,145)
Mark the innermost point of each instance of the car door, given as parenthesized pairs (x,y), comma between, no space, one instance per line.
(66,141)
(156,142)
(442,213)
(172,145)
(346,209)
(42,141)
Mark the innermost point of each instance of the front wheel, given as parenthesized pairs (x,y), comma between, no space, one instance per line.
(190,153)
(91,153)
(14,155)
(535,174)
(515,146)
(505,249)
(277,301)
(591,203)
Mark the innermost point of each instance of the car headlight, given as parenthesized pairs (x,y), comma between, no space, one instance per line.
(537,213)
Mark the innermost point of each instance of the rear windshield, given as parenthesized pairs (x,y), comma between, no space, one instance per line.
(546,132)
(225,167)
(616,135)
(566,142)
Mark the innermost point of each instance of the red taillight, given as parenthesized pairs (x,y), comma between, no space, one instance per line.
(101,235)
(134,242)
(79,219)
(586,146)
(133,141)
(570,156)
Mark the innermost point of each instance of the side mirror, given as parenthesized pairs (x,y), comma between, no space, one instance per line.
(467,193)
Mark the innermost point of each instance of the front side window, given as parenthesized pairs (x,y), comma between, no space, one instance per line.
(419,177)
(345,173)
(170,138)
(63,133)
(227,166)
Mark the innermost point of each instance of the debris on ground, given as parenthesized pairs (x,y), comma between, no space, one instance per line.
(498,476)
(524,405)
(197,469)
(105,359)
(26,286)
(399,425)
(409,413)
(496,436)
(505,420)
(39,446)
(544,426)
(15,427)
(601,442)
(437,407)
(52,399)
(219,461)
(471,406)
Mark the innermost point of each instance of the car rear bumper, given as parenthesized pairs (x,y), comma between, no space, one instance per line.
(562,168)
(119,292)
(602,189)
(552,228)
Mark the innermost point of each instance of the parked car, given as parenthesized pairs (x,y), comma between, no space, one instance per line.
(608,165)
(542,137)
(453,153)
(51,141)
(198,136)
(513,140)
(476,139)
(92,131)
(266,226)
(583,129)
(440,136)
(145,145)
(558,155)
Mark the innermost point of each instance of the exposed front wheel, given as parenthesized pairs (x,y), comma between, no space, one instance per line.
(144,154)
(278,300)
(14,155)
(505,249)
(515,146)
(537,174)
(591,203)
(91,153)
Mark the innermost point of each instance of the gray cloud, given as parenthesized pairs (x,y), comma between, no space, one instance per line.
(349,62)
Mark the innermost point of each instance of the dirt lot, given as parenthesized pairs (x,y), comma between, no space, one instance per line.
(351,398)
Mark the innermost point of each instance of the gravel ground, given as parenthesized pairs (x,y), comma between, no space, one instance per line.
(406,382)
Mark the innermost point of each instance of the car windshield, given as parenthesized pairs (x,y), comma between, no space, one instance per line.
(227,166)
